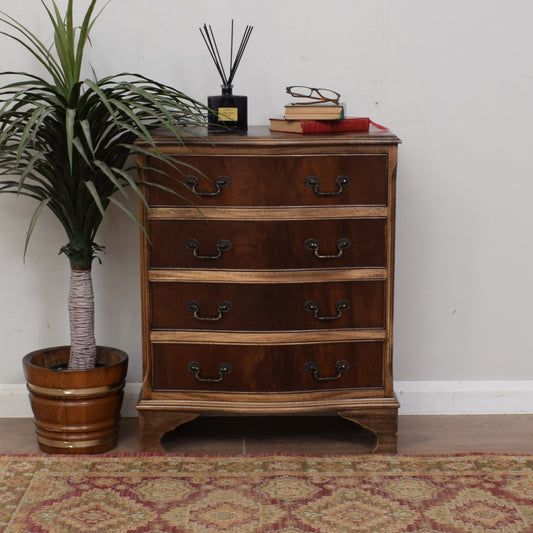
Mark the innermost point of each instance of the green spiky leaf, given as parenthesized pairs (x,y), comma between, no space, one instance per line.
(64,141)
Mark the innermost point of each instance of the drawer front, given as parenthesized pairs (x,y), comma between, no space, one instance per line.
(245,368)
(267,244)
(276,180)
(268,307)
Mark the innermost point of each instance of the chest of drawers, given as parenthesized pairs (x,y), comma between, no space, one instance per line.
(267,287)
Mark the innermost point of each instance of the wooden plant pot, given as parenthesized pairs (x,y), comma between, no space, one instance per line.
(76,411)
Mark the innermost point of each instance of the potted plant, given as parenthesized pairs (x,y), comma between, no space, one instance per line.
(64,142)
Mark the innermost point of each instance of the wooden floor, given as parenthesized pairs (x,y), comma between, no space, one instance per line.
(312,435)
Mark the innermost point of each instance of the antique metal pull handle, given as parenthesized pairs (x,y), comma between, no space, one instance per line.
(223,245)
(342,244)
(223,368)
(194,307)
(220,183)
(312,367)
(342,182)
(312,307)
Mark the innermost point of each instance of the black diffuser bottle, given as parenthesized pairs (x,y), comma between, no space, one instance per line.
(227,112)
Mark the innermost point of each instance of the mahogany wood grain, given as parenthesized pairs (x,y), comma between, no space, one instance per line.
(267,244)
(267,307)
(270,368)
(368,174)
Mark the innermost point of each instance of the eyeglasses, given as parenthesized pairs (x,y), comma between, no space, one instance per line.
(321,95)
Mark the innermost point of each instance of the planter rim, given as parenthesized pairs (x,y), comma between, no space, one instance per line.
(28,358)
(38,371)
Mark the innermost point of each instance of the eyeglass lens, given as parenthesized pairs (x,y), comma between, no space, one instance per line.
(307,92)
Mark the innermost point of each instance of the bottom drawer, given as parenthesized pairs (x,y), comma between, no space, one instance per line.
(267,368)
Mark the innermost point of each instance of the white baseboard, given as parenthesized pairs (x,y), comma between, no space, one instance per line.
(14,401)
(415,397)
(464,397)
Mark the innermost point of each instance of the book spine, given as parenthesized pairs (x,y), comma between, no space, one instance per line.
(317,126)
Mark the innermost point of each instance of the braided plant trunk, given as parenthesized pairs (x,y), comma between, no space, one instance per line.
(81,314)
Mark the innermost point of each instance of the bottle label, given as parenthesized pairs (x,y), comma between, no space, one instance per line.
(228,114)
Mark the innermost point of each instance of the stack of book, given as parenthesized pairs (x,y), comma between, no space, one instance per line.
(318,118)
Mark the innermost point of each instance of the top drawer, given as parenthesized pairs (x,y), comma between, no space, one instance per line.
(273,180)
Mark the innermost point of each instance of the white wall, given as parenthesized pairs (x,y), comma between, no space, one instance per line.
(452,78)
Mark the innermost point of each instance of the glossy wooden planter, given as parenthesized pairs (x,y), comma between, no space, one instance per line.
(76,411)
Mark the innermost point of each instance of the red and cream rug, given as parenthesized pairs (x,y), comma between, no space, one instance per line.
(275,493)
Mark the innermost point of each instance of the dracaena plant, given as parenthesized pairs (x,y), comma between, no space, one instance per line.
(64,142)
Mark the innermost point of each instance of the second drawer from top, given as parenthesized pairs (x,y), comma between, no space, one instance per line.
(293,244)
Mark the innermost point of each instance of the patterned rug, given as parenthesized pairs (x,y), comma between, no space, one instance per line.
(275,493)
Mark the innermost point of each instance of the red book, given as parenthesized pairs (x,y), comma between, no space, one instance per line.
(320,126)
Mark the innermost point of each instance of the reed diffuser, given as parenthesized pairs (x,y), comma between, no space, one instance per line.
(227,111)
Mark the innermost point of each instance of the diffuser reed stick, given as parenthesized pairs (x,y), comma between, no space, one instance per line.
(211,43)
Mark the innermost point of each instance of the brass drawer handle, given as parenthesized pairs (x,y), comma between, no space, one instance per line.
(342,182)
(220,183)
(312,307)
(223,245)
(194,307)
(223,368)
(312,367)
(342,244)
